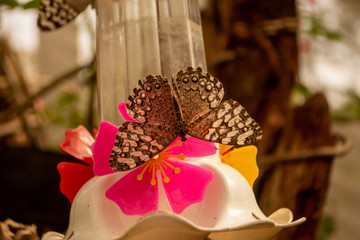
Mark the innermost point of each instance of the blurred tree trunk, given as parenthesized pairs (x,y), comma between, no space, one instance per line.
(251,47)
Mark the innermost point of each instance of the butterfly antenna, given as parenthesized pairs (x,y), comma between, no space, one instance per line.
(188,146)
(229,150)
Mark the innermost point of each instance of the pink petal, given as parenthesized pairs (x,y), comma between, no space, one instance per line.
(73,177)
(102,148)
(77,143)
(188,186)
(194,147)
(124,114)
(135,197)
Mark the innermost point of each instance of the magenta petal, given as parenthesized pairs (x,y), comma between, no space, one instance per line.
(77,143)
(194,147)
(134,197)
(188,186)
(124,114)
(102,148)
(73,177)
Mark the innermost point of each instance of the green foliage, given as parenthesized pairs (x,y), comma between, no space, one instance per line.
(350,110)
(299,94)
(303,90)
(66,110)
(34,4)
(327,227)
(9,3)
(317,28)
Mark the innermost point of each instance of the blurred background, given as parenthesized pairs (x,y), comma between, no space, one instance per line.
(292,64)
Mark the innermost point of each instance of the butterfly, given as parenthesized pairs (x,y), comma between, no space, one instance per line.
(189,104)
(54,14)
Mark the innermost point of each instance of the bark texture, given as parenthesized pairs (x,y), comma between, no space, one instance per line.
(251,47)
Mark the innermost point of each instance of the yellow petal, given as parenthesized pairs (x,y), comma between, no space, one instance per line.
(224,148)
(243,160)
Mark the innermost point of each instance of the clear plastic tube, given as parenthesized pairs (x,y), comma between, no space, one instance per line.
(136,38)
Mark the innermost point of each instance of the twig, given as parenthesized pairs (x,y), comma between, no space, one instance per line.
(343,146)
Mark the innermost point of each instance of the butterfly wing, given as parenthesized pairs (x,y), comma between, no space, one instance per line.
(54,14)
(152,102)
(229,123)
(136,143)
(197,93)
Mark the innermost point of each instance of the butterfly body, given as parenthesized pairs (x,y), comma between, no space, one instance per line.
(188,104)
(180,125)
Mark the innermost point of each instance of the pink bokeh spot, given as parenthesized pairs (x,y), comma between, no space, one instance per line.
(187,187)
(102,148)
(134,197)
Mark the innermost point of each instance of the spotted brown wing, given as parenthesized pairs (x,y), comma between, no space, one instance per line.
(136,143)
(152,102)
(229,123)
(197,93)
(54,14)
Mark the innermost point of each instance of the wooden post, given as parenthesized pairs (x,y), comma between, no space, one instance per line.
(251,46)
(300,183)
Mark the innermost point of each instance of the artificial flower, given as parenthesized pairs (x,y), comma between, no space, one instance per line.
(142,183)
(242,159)
(228,211)
(184,184)
(73,175)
